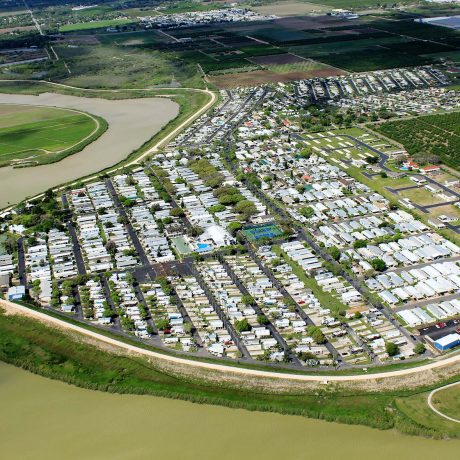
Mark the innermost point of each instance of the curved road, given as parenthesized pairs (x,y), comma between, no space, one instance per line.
(19,309)
(431,406)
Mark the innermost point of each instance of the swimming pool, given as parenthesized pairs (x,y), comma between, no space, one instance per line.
(203,247)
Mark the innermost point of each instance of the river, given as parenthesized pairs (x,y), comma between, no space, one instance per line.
(46,419)
(131,123)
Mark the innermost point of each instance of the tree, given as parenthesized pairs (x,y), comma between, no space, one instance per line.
(233,227)
(372,160)
(391,348)
(419,348)
(378,264)
(177,212)
(130,278)
(359,244)
(335,253)
(111,247)
(242,325)
(10,244)
(305,153)
(306,356)
(163,324)
(246,208)
(317,334)
(216,208)
(307,211)
(263,320)
(196,230)
(247,299)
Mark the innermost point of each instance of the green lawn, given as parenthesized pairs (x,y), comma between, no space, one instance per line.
(448,401)
(95,25)
(416,408)
(38,134)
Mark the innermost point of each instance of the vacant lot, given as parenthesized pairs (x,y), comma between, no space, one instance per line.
(33,135)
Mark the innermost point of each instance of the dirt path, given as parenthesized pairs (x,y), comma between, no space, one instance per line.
(12,308)
(431,406)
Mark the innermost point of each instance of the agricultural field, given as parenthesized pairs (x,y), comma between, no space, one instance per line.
(32,135)
(428,135)
(234,54)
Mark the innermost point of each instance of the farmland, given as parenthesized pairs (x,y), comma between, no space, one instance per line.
(433,135)
(231,54)
(32,135)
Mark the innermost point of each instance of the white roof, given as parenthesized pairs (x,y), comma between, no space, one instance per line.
(446,340)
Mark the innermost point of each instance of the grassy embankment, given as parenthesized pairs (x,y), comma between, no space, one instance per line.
(55,354)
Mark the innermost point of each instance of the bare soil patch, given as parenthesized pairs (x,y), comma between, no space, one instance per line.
(313,22)
(258,77)
(81,40)
(8,30)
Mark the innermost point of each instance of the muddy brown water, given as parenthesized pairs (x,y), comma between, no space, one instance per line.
(47,419)
(131,123)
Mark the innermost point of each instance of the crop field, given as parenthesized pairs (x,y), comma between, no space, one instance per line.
(238,54)
(31,135)
(434,134)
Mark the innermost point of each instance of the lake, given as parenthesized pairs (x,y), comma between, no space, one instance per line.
(46,419)
(132,122)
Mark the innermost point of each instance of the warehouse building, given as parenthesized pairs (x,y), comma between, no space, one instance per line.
(447,342)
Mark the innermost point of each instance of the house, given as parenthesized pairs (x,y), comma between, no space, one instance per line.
(430,169)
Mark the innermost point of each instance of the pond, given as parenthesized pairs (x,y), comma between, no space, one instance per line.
(132,122)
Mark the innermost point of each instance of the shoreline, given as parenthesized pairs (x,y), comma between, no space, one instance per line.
(86,362)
